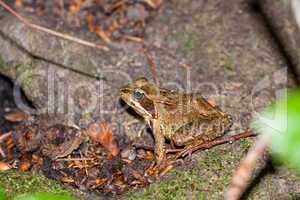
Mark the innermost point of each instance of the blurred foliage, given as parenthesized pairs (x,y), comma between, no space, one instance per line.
(282,120)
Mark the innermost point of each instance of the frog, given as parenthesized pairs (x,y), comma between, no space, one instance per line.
(187,120)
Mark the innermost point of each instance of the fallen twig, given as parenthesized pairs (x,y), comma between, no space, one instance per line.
(74,159)
(242,175)
(152,65)
(51,32)
(143,146)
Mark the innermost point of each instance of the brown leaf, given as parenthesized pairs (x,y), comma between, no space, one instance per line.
(24,166)
(91,22)
(149,155)
(102,133)
(138,176)
(18,3)
(184,66)
(100,181)
(165,170)
(103,35)
(4,166)
(67,180)
(17,116)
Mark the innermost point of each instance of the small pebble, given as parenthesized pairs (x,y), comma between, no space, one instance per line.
(129,153)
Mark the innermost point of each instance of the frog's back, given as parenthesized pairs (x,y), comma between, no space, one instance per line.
(189,112)
(180,107)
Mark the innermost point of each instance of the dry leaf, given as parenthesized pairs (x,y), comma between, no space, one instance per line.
(67,180)
(100,181)
(103,35)
(138,176)
(17,116)
(4,166)
(24,166)
(184,66)
(102,133)
(165,170)
(91,22)
(149,155)
(18,3)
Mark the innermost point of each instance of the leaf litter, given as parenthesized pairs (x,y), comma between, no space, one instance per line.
(111,20)
(90,159)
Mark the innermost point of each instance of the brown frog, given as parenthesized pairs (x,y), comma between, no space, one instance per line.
(185,119)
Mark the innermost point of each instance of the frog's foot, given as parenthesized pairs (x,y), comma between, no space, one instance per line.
(187,151)
(162,161)
(174,158)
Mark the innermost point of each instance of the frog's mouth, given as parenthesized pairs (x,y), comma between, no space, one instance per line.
(141,110)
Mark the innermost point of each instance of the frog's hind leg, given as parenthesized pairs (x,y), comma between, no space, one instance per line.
(195,137)
(189,149)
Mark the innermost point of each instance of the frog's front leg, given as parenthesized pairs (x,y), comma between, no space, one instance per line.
(159,142)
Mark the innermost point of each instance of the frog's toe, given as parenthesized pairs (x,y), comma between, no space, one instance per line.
(187,151)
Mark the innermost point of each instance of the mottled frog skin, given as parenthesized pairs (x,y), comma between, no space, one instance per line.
(185,119)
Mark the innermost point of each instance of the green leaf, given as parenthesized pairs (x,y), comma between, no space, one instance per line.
(282,120)
(43,196)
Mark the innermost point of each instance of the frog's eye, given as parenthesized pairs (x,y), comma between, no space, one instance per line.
(138,94)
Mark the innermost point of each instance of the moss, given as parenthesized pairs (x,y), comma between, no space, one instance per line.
(18,70)
(26,75)
(16,183)
(3,65)
(182,185)
(130,57)
(207,178)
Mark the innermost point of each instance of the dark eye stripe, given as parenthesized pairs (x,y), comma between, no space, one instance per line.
(148,105)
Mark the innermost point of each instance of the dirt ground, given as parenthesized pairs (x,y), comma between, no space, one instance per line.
(223,50)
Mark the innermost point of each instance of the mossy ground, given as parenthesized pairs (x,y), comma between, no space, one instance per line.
(208,174)
(206,178)
(16,183)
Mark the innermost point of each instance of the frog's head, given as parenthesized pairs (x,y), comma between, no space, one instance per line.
(139,95)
